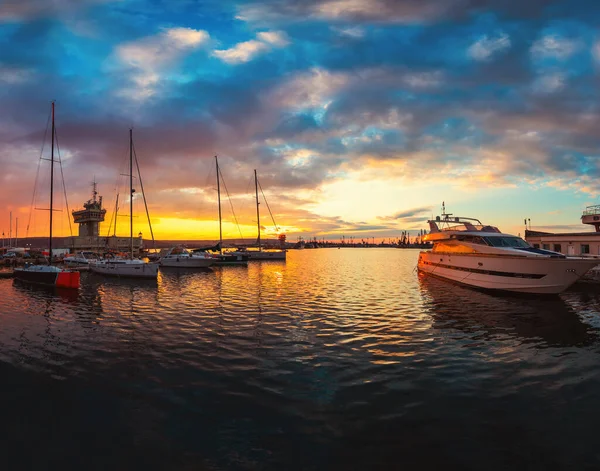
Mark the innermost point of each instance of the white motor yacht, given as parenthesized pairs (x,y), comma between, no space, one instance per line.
(477,255)
(183,258)
(80,259)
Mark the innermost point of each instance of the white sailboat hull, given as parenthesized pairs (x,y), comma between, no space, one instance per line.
(125,268)
(506,273)
(187,262)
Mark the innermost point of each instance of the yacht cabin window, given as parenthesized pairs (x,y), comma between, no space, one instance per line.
(515,242)
(473,239)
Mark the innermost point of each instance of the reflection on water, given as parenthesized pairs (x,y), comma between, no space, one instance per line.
(545,321)
(335,358)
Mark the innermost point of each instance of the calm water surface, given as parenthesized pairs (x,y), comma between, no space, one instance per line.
(334,359)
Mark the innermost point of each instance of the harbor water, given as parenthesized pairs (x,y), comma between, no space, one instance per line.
(336,359)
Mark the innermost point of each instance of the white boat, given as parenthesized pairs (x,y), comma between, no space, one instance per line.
(260,253)
(480,256)
(48,274)
(80,259)
(224,258)
(183,258)
(127,267)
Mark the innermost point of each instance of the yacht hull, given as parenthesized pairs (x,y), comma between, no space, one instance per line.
(536,275)
(128,270)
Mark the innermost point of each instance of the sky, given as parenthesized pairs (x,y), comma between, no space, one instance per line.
(360,116)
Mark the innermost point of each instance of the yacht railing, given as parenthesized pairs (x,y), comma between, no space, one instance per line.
(462,227)
(591,210)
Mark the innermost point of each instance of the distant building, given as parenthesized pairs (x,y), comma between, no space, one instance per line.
(571,243)
(89,238)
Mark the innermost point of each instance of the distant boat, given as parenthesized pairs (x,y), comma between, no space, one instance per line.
(83,258)
(127,267)
(180,257)
(225,258)
(49,274)
(258,253)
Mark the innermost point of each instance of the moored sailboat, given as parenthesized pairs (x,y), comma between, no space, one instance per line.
(260,253)
(127,267)
(180,257)
(225,258)
(49,274)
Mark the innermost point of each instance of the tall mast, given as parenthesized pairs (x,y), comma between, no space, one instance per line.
(17,232)
(51,187)
(219,198)
(116,215)
(131,191)
(257,210)
(10,231)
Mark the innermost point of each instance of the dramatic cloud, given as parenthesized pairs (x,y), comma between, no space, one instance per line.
(553,46)
(16,10)
(393,11)
(14,75)
(151,56)
(247,50)
(487,46)
(409,213)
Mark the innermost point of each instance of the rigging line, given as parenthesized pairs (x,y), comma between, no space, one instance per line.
(37,174)
(118,179)
(268,207)
(112,216)
(248,202)
(231,204)
(62,175)
(144,196)
(117,188)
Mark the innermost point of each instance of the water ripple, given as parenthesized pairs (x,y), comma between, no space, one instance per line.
(335,358)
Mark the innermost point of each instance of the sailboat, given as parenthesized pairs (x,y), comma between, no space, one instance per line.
(49,274)
(227,258)
(259,253)
(127,267)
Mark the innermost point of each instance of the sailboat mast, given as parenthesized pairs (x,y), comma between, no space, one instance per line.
(257,210)
(131,193)
(51,187)
(116,215)
(219,198)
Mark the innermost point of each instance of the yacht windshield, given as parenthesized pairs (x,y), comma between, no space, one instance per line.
(515,242)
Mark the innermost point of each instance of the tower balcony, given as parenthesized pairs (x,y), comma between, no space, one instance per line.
(591,216)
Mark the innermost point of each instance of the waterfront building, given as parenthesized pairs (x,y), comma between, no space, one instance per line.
(571,243)
(89,238)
